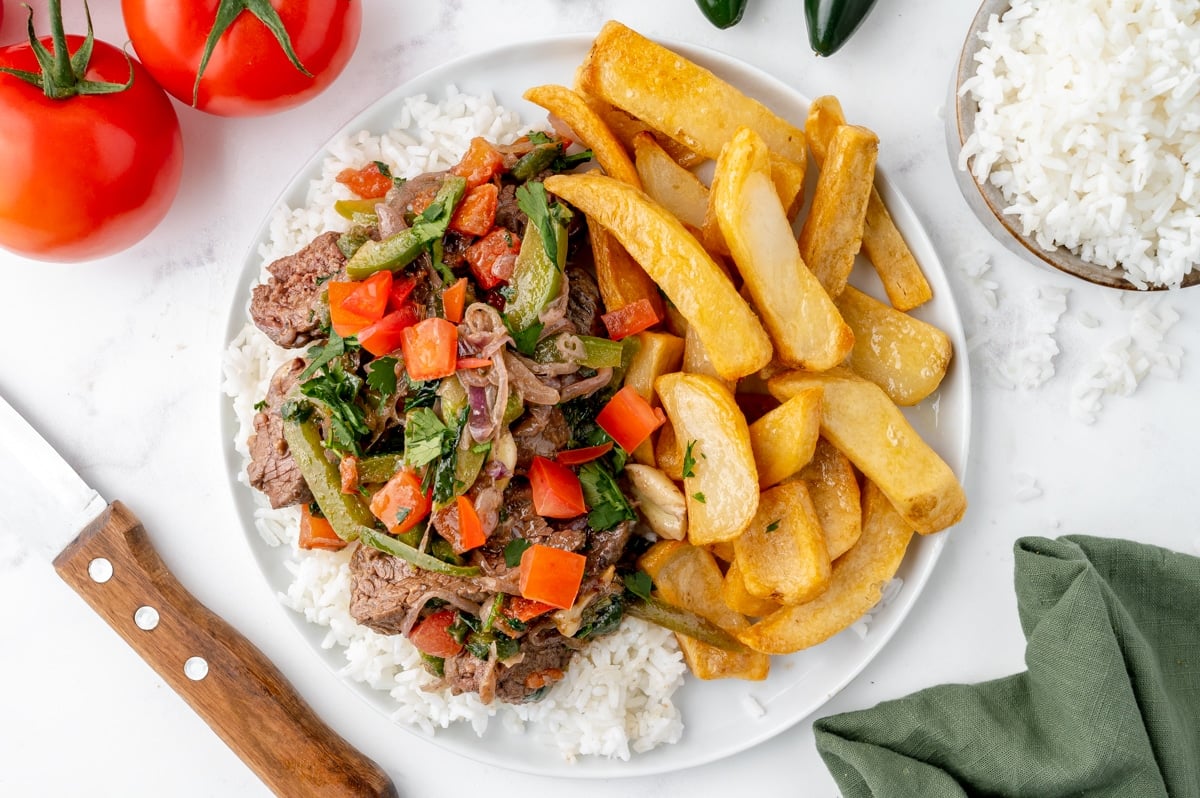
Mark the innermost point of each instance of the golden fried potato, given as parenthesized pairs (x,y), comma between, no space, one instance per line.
(657,354)
(668,183)
(732,334)
(719,475)
(833,230)
(782,555)
(859,419)
(655,557)
(625,127)
(678,97)
(691,579)
(738,599)
(833,488)
(722,550)
(620,279)
(785,438)
(804,324)
(882,243)
(904,356)
(697,361)
(667,452)
(855,586)
(589,128)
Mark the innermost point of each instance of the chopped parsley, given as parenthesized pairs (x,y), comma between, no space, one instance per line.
(513,551)
(537,137)
(699,497)
(689,462)
(337,390)
(260,404)
(322,355)
(639,584)
(609,506)
(425,437)
(771,527)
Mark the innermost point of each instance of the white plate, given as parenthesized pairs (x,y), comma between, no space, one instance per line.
(716,718)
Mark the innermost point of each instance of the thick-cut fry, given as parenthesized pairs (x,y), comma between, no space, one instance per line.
(720,478)
(678,97)
(658,555)
(883,245)
(667,452)
(697,361)
(620,279)
(804,324)
(657,354)
(691,579)
(782,554)
(833,229)
(573,110)
(833,488)
(856,585)
(732,334)
(904,356)
(738,599)
(859,419)
(785,438)
(625,127)
(668,183)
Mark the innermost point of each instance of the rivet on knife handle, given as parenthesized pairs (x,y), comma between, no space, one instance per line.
(241,695)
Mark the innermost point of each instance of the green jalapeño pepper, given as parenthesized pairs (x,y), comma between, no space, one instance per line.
(832,22)
(723,13)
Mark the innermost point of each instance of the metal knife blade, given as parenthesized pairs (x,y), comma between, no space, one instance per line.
(218,672)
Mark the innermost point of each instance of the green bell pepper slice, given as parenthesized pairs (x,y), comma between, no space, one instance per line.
(345,512)
(398,250)
(536,280)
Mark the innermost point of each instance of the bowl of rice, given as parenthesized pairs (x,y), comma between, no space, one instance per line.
(1075,136)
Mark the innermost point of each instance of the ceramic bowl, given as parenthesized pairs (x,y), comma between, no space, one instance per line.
(987,201)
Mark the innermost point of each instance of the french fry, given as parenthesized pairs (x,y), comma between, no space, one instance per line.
(721,483)
(657,354)
(883,245)
(732,334)
(678,97)
(904,356)
(668,183)
(591,130)
(859,419)
(782,555)
(855,585)
(784,439)
(697,361)
(804,324)
(833,230)
(625,127)
(691,579)
(833,488)
(722,550)
(667,452)
(738,599)
(620,279)
(655,557)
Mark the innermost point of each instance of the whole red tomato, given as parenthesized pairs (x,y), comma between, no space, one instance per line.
(88,175)
(248,72)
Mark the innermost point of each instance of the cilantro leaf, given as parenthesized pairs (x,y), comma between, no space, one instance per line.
(337,390)
(260,404)
(546,217)
(513,551)
(526,340)
(639,584)
(421,393)
(537,137)
(322,355)
(609,506)
(381,375)
(424,437)
(689,462)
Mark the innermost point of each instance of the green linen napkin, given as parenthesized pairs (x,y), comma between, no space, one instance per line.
(1109,708)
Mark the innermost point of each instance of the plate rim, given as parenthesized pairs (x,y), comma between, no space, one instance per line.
(587,766)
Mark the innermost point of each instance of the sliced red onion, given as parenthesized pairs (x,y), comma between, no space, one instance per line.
(479,422)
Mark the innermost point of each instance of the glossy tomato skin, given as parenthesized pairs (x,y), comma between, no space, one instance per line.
(248,74)
(90,175)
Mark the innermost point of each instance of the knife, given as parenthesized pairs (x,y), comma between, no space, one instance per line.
(102,551)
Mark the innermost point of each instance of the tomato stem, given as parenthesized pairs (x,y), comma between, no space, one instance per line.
(227,12)
(61,74)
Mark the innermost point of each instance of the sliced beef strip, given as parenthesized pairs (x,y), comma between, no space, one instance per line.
(401,197)
(272,468)
(508,213)
(605,546)
(542,433)
(287,307)
(584,306)
(466,673)
(547,655)
(520,520)
(384,588)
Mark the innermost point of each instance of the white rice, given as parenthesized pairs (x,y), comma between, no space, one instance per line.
(1088,122)
(616,699)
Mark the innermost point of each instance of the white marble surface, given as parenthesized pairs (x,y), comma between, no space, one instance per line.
(118,362)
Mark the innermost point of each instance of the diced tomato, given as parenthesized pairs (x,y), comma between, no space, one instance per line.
(387,334)
(473,363)
(556,490)
(348,471)
(369,299)
(432,635)
(454,299)
(551,575)
(476,214)
(493,257)
(470,528)
(633,318)
(401,504)
(629,418)
(345,322)
(574,457)
(430,349)
(369,182)
(317,533)
(402,288)
(523,609)
(479,164)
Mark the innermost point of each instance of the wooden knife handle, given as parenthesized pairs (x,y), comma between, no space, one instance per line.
(243,697)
